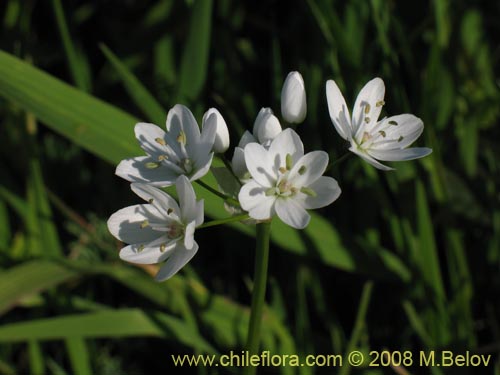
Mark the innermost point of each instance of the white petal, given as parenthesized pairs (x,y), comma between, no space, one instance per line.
(293,98)
(177,260)
(125,224)
(339,113)
(202,168)
(189,235)
(327,191)
(308,168)
(200,217)
(221,143)
(148,253)
(369,159)
(292,213)
(246,138)
(147,135)
(187,199)
(268,129)
(136,170)
(259,165)
(238,163)
(199,151)
(287,142)
(253,199)
(158,198)
(400,155)
(369,96)
(179,119)
(407,130)
(259,120)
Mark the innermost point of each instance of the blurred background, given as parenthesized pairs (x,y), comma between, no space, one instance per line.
(404,260)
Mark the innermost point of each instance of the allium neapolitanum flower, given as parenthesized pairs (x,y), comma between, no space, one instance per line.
(285,181)
(293,99)
(265,128)
(181,150)
(385,140)
(160,230)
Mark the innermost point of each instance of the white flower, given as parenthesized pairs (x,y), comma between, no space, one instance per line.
(387,139)
(181,150)
(160,230)
(222,133)
(293,99)
(285,181)
(265,128)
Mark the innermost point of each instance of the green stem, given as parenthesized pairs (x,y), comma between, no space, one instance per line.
(223,221)
(359,324)
(259,291)
(230,168)
(338,161)
(218,193)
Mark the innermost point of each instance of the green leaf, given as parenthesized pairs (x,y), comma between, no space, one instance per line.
(194,63)
(139,94)
(105,324)
(79,356)
(29,278)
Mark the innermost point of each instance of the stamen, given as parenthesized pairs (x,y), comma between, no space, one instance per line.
(150,200)
(302,170)
(140,248)
(308,191)
(282,169)
(169,211)
(367,108)
(187,165)
(380,103)
(162,157)
(382,133)
(392,122)
(161,141)
(144,224)
(288,161)
(181,138)
(367,120)
(152,165)
(366,137)
(400,138)
(163,247)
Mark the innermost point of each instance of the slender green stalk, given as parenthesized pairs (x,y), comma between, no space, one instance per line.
(218,193)
(359,324)
(259,291)
(338,161)
(223,221)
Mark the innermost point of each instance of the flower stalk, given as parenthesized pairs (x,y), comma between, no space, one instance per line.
(259,290)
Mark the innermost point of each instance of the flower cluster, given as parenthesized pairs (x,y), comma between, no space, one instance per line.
(269,171)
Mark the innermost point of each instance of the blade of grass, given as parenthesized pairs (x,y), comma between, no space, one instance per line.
(36,361)
(78,356)
(138,93)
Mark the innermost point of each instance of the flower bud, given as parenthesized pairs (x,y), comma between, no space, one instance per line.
(221,143)
(293,99)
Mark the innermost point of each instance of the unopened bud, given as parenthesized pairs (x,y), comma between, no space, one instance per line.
(293,99)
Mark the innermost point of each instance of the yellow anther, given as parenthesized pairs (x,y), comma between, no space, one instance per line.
(144,224)
(367,108)
(392,122)
(308,191)
(181,138)
(367,120)
(152,165)
(400,138)
(163,247)
(162,157)
(288,161)
(302,170)
(282,169)
(380,103)
(382,133)
(161,141)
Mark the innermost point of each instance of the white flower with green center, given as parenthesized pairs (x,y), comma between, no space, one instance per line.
(181,150)
(373,140)
(285,181)
(160,230)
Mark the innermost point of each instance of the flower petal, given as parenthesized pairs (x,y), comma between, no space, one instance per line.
(238,163)
(179,258)
(286,143)
(339,113)
(148,253)
(180,119)
(202,168)
(200,217)
(259,165)
(246,138)
(253,199)
(187,199)
(137,170)
(268,129)
(259,120)
(368,106)
(407,130)
(158,198)
(199,152)
(400,155)
(308,168)
(327,191)
(370,159)
(189,235)
(221,143)
(147,135)
(292,213)
(293,98)
(127,224)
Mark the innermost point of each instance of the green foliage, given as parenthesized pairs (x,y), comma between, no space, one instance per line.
(419,245)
